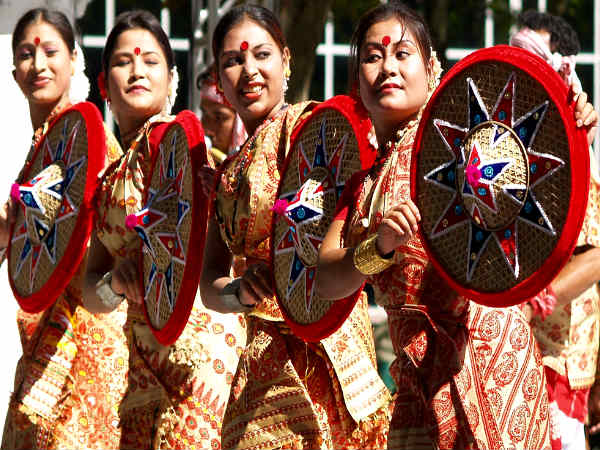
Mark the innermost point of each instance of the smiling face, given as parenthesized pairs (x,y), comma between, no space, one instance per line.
(251,71)
(138,78)
(43,66)
(392,75)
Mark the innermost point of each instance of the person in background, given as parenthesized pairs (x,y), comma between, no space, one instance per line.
(221,123)
(64,395)
(565,318)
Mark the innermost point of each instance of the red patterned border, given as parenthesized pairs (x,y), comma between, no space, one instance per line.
(539,70)
(77,247)
(197,152)
(337,314)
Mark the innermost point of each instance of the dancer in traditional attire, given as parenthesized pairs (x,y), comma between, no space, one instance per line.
(566,319)
(468,376)
(175,395)
(220,121)
(63,392)
(286,393)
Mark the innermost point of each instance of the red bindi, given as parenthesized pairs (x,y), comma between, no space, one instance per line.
(36,41)
(137,51)
(386,41)
(244,46)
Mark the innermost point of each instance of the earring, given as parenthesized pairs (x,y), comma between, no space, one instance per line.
(219,87)
(431,84)
(286,77)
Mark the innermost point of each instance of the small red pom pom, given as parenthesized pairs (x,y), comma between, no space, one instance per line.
(279,207)
(244,46)
(131,221)
(386,41)
(15,193)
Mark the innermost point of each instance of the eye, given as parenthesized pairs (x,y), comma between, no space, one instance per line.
(23,55)
(51,51)
(401,54)
(371,58)
(264,54)
(121,62)
(151,61)
(232,61)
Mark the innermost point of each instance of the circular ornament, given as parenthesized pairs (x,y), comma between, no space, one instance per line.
(55,217)
(327,148)
(500,174)
(172,225)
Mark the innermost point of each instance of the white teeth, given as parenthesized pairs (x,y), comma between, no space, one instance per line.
(253,89)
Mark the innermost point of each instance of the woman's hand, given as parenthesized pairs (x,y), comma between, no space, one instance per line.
(255,285)
(206,174)
(125,281)
(8,216)
(399,226)
(585,115)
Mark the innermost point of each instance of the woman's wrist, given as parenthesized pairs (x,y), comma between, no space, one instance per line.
(367,258)
(230,297)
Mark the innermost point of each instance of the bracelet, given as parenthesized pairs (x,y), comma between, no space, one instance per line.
(367,259)
(104,291)
(230,295)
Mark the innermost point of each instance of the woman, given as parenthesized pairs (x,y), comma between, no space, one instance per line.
(63,391)
(286,393)
(220,121)
(176,394)
(451,394)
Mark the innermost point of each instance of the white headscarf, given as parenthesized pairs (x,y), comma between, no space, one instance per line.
(80,85)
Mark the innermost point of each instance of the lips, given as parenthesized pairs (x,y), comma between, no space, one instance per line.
(40,82)
(252,91)
(135,89)
(389,86)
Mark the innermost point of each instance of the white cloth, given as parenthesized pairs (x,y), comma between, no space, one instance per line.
(572,432)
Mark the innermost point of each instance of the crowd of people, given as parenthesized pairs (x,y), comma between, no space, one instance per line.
(93,375)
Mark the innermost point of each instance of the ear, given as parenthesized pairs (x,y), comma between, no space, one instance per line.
(73,59)
(287,58)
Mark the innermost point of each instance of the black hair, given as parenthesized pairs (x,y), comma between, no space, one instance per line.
(563,38)
(55,18)
(261,16)
(137,19)
(405,15)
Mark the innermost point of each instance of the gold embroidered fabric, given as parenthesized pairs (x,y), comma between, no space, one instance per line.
(287,393)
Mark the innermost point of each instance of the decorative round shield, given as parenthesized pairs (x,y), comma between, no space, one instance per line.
(55,218)
(326,149)
(172,225)
(500,175)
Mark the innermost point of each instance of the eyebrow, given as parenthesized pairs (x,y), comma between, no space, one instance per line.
(394,44)
(236,51)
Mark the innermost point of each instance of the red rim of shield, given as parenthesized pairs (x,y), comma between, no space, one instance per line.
(539,70)
(68,265)
(354,112)
(193,267)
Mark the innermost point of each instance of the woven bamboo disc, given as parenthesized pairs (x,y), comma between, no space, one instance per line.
(496,157)
(325,152)
(54,222)
(172,226)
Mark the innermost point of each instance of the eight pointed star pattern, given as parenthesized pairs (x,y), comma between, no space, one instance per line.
(301,209)
(28,198)
(480,175)
(145,223)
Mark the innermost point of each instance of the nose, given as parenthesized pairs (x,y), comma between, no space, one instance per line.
(137,68)
(390,65)
(40,62)
(250,69)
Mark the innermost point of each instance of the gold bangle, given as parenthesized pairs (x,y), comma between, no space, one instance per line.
(367,259)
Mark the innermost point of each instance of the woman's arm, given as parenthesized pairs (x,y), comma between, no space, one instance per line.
(218,290)
(578,275)
(338,274)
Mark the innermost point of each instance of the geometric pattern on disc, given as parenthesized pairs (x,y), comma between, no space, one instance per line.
(487,156)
